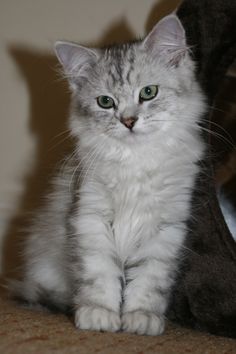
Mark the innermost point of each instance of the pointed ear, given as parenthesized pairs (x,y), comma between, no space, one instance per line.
(75,58)
(168,39)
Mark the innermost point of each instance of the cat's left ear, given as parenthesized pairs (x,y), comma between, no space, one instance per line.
(75,59)
(167,39)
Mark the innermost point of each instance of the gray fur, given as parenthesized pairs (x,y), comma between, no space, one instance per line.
(109,237)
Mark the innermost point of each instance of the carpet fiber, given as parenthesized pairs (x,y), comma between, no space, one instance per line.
(24,331)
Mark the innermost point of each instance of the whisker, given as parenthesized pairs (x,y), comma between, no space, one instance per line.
(61,133)
(220,137)
(60,142)
(88,156)
(66,162)
(94,157)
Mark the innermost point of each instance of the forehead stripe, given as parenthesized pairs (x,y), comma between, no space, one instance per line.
(122,63)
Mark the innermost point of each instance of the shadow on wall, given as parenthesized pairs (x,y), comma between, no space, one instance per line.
(161,9)
(48,113)
(48,108)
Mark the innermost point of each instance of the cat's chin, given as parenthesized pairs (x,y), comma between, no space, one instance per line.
(127,136)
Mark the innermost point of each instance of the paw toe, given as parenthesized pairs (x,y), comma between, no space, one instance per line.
(97,318)
(141,322)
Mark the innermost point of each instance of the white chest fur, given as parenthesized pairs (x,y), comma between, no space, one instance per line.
(141,192)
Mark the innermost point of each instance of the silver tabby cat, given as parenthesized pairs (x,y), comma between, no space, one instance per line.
(108,244)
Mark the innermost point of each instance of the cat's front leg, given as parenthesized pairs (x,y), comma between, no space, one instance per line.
(149,277)
(144,304)
(97,273)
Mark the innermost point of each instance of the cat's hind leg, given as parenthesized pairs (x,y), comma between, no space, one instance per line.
(43,285)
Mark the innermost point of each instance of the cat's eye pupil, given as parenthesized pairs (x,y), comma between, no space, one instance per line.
(148,90)
(105,102)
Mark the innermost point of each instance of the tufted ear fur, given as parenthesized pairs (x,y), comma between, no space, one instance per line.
(167,39)
(75,58)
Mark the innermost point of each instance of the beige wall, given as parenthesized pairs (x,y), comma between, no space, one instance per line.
(33,102)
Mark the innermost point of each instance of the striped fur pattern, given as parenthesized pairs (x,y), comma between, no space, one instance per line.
(110,237)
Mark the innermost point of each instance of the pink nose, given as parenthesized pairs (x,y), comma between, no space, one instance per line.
(129,122)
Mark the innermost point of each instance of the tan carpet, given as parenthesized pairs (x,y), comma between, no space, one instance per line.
(24,331)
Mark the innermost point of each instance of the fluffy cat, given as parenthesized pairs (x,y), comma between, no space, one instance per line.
(107,242)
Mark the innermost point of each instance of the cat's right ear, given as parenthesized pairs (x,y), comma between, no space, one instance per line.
(168,40)
(75,59)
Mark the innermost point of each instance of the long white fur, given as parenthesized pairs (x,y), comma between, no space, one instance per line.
(117,261)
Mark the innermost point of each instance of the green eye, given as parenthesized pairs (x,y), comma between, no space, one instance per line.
(105,102)
(148,93)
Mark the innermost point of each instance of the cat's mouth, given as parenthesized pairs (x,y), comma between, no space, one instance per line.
(128,136)
(131,130)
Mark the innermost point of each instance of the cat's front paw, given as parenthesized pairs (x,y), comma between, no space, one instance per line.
(97,318)
(142,322)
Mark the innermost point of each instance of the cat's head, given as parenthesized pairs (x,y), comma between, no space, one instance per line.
(133,91)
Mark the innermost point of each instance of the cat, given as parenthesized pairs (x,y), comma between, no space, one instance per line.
(109,239)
